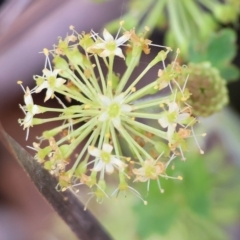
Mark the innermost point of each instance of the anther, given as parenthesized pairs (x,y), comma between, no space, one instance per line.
(46,52)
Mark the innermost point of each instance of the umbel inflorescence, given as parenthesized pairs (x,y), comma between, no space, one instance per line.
(107,113)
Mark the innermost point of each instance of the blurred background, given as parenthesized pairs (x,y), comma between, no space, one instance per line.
(206,205)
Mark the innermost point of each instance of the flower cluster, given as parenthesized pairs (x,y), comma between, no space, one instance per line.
(108,130)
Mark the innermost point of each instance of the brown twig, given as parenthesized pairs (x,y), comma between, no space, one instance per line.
(66,204)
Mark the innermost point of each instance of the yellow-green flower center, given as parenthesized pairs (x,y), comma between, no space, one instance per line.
(150,171)
(114,110)
(51,80)
(111,46)
(172,117)
(105,156)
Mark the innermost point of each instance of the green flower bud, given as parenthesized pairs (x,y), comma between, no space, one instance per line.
(208,90)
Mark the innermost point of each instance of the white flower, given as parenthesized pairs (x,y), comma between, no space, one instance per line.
(150,170)
(51,83)
(171,118)
(110,45)
(113,109)
(29,109)
(106,161)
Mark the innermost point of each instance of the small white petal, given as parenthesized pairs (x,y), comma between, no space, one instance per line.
(126,108)
(27,120)
(173,107)
(56,72)
(100,165)
(94,151)
(105,53)
(118,52)
(107,36)
(182,116)
(28,97)
(123,39)
(119,98)
(118,163)
(116,122)
(42,86)
(98,46)
(163,122)
(170,131)
(107,148)
(59,82)
(105,101)
(103,117)
(49,94)
(35,109)
(46,72)
(109,168)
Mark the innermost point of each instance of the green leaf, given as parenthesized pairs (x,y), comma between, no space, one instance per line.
(158,215)
(221,48)
(230,72)
(220,51)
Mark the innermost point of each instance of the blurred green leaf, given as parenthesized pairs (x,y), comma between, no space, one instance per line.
(162,209)
(158,215)
(197,186)
(230,72)
(220,50)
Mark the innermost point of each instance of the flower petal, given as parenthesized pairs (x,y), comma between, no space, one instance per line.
(118,52)
(100,165)
(163,121)
(105,53)
(98,46)
(126,108)
(59,82)
(119,98)
(125,37)
(47,72)
(107,148)
(103,117)
(170,131)
(28,97)
(35,109)
(118,162)
(42,86)
(56,72)
(49,94)
(93,151)
(116,122)
(109,168)
(173,107)
(28,120)
(105,101)
(107,36)
(182,117)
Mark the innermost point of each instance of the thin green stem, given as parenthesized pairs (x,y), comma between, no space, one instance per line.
(78,131)
(84,133)
(137,133)
(143,115)
(155,131)
(131,144)
(117,148)
(140,93)
(133,63)
(90,87)
(91,141)
(79,97)
(101,74)
(110,75)
(135,144)
(150,103)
